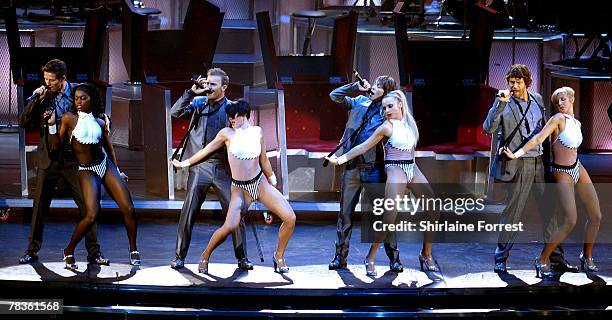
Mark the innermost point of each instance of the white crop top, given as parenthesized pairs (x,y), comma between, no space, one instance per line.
(571,136)
(402,137)
(246,143)
(87,129)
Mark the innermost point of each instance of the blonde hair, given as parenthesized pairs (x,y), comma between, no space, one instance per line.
(563,90)
(406,114)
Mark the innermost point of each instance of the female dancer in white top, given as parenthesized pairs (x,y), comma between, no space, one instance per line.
(87,129)
(571,178)
(247,160)
(401,135)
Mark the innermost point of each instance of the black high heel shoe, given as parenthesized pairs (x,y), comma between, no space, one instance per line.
(369,273)
(135,258)
(277,267)
(543,270)
(587,264)
(431,264)
(203,266)
(70,262)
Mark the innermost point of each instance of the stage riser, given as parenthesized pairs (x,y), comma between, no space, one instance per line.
(531,300)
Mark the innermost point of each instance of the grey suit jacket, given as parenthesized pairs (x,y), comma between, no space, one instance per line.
(358,107)
(182,109)
(502,119)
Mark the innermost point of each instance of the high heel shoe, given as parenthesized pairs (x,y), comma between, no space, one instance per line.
(277,266)
(543,270)
(135,258)
(369,272)
(431,264)
(203,266)
(587,264)
(70,262)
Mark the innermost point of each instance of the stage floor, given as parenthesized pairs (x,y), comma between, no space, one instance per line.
(463,265)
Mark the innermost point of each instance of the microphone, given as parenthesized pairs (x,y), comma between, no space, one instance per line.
(32,97)
(361,81)
(502,95)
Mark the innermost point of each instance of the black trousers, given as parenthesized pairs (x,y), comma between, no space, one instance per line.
(350,190)
(47,181)
(201,178)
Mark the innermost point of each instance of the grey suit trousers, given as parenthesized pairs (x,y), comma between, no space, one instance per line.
(202,177)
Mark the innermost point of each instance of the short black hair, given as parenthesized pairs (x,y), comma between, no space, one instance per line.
(240,107)
(57,67)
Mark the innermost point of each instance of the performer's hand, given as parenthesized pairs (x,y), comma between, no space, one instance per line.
(203,82)
(333,160)
(50,116)
(507,152)
(504,95)
(180,164)
(366,85)
(41,91)
(124,176)
(272,180)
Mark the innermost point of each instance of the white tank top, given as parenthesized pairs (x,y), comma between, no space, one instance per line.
(246,143)
(402,137)
(571,136)
(87,129)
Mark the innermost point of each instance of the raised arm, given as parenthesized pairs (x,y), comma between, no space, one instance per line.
(381,132)
(551,126)
(180,108)
(264,162)
(217,143)
(493,118)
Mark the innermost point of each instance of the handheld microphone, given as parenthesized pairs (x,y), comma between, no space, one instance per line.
(502,95)
(198,85)
(361,81)
(33,97)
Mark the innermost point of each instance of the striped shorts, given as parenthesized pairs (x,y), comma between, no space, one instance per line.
(99,169)
(406,165)
(250,186)
(573,170)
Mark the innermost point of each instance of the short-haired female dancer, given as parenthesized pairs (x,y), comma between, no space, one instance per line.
(248,160)
(571,178)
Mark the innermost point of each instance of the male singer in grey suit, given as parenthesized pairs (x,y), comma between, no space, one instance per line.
(526,174)
(210,118)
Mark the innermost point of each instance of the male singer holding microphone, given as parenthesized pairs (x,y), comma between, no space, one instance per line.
(520,115)
(54,166)
(204,103)
(365,112)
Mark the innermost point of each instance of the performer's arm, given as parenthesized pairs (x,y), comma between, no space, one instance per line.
(382,131)
(551,126)
(107,144)
(26,116)
(179,109)
(217,143)
(264,162)
(493,119)
(341,95)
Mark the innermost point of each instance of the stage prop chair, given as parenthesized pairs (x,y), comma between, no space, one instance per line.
(85,63)
(301,85)
(446,83)
(167,60)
